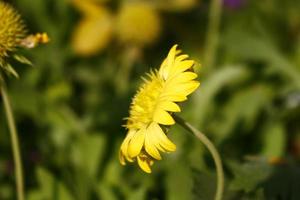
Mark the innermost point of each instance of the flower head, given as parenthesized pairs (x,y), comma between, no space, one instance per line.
(94,31)
(13,34)
(138,24)
(152,107)
(12,30)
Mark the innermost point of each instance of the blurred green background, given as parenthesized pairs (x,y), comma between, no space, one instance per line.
(70,107)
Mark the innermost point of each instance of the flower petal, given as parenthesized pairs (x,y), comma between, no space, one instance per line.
(179,67)
(163,117)
(181,57)
(136,143)
(183,89)
(173,97)
(164,140)
(144,165)
(181,78)
(150,145)
(124,145)
(169,106)
(167,65)
(122,158)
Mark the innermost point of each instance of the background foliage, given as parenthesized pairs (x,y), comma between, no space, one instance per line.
(70,108)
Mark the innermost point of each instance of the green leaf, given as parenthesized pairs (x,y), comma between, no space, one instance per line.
(284,183)
(259,48)
(204,186)
(92,151)
(104,191)
(179,184)
(138,194)
(22,59)
(274,140)
(235,111)
(210,87)
(49,187)
(58,91)
(250,175)
(10,70)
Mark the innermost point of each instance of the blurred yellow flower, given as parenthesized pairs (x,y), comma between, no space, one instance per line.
(12,30)
(152,107)
(94,31)
(13,34)
(138,23)
(88,8)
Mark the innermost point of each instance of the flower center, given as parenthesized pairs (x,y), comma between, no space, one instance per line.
(144,102)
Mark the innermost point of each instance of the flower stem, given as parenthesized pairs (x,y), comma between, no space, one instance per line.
(213,151)
(212,34)
(14,140)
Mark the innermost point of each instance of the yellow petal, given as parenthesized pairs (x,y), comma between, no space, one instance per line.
(169,106)
(183,89)
(182,66)
(164,140)
(144,165)
(167,64)
(124,145)
(154,139)
(181,78)
(150,146)
(171,55)
(163,117)
(181,57)
(173,97)
(151,149)
(121,158)
(136,143)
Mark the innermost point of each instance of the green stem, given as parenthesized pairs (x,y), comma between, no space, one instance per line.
(213,151)
(212,34)
(14,141)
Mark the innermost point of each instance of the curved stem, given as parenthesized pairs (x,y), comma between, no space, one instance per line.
(212,34)
(213,151)
(14,141)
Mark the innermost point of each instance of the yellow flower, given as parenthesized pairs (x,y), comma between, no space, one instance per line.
(94,31)
(88,8)
(152,107)
(13,34)
(138,23)
(12,31)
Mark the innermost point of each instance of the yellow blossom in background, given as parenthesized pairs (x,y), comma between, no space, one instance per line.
(88,8)
(92,34)
(94,31)
(13,34)
(152,107)
(138,23)
(12,31)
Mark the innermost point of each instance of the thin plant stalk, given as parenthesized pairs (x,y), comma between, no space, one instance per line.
(212,34)
(212,149)
(14,141)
